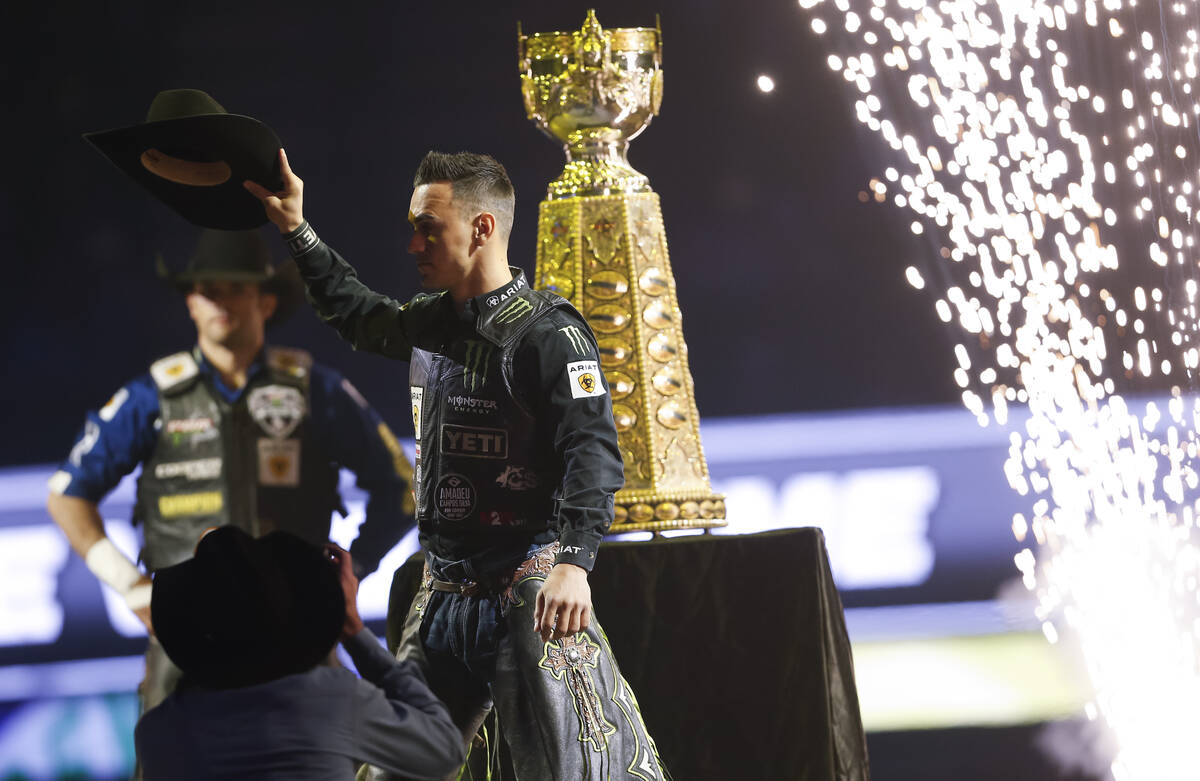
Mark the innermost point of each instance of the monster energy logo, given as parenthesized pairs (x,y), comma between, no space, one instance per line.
(577,339)
(476,363)
(518,308)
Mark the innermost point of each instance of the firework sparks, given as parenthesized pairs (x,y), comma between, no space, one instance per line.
(1036,144)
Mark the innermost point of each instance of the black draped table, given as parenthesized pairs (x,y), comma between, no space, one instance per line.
(736,648)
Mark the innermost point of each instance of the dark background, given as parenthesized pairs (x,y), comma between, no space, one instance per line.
(792,290)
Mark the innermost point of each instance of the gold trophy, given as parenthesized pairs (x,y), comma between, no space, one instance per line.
(601,244)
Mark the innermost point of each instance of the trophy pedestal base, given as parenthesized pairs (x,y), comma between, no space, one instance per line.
(663,513)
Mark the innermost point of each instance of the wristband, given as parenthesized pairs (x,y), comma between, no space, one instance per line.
(112,567)
(301,240)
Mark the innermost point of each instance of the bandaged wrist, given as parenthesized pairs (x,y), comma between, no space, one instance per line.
(113,567)
(138,597)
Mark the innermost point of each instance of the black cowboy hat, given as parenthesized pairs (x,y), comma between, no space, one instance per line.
(239,256)
(245,611)
(193,156)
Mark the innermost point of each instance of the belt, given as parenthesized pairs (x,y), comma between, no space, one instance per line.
(467,588)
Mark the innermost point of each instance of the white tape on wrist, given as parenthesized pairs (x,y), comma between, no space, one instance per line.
(112,567)
(138,597)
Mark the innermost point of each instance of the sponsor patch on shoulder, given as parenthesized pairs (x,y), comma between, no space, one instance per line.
(173,369)
(289,360)
(584,378)
(113,404)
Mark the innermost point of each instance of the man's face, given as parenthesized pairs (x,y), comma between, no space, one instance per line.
(442,236)
(230,313)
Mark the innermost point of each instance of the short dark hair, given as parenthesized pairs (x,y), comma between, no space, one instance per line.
(478,182)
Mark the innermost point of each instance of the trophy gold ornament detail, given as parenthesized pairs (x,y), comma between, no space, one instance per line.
(602,245)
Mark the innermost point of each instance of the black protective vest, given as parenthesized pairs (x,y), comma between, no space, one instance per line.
(483,476)
(252,464)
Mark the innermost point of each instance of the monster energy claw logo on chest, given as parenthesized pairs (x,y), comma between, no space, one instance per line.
(475,363)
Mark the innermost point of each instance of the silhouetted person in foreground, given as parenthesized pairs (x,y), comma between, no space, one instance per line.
(253,623)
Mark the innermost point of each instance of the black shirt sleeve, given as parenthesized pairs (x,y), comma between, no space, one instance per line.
(366,319)
(556,369)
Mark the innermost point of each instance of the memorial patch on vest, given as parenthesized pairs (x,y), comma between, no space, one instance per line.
(278,409)
(196,469)
(279,462)
(584,377)
(202,503)
(474,442)
(454,497)
(418,395)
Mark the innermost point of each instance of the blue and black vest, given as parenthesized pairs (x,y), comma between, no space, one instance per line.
(252,464)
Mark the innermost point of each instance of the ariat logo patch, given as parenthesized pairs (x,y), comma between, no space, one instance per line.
(417,394)
(474,442)
(203,503)
(475,364)
(517,285)
(454,497)
(584,378)
(578,341)
(514,311)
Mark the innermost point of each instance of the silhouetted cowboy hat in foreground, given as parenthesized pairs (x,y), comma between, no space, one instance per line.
(245,611)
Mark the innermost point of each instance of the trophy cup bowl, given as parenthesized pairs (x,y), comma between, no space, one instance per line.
(593,90)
